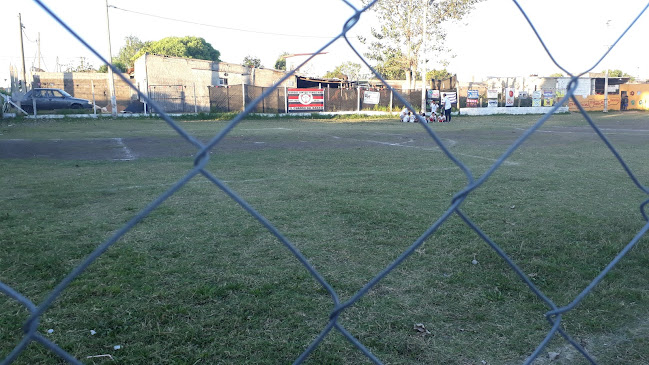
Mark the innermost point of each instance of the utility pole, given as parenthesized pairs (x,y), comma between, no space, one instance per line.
(423,55)
(22,52)
(424,70)
(111,80)
(608,23)
(39,51)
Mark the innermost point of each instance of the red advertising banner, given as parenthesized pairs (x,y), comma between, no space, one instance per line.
(472,103)
(305,100)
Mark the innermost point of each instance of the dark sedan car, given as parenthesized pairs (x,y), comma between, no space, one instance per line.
(50,99)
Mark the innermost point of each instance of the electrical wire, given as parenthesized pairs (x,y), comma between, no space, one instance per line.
(219,27)
(25,34)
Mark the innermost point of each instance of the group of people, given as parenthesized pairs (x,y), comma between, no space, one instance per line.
(408,117)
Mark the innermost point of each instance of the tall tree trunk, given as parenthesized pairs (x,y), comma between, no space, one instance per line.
(408,79)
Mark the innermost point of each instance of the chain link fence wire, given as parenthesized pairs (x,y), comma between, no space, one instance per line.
(553,315)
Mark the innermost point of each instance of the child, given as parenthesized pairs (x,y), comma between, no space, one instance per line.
(411,117)
(403,114)
(442,118)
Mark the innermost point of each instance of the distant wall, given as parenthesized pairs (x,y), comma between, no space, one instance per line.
(596,103)
(80,85)
(510,110)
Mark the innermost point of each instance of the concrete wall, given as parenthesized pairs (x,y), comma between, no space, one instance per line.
(195,76)
(510,110)
(80,85)
(638,95)
(596,103)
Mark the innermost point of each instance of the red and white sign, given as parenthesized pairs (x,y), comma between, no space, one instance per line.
(305,100)
(509,97)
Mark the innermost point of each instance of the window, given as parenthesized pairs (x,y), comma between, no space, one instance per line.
(223,82)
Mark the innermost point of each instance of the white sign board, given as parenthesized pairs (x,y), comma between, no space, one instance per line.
(451,95)
(492,93)
(371,97)
(432,94)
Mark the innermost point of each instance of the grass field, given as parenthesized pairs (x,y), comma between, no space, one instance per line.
(200,281)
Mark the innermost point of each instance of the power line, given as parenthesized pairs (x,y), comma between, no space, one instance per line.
(216,26)
(25,34)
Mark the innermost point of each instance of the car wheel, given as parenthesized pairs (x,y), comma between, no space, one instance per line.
(28,109)
(75,106)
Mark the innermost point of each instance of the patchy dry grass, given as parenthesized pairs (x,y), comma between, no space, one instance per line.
(200,281)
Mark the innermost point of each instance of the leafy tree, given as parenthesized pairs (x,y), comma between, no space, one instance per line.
(618,73)
(442,74)
(251,61)
(129,50)
(348,69)
(188,47)
(398,44)
(280,64)
(392,65)
(119,64)
(126,57)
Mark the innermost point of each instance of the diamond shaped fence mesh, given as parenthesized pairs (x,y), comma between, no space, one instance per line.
(554,312)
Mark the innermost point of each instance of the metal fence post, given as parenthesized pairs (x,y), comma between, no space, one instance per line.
(243,94)
(358,99)
(94,106)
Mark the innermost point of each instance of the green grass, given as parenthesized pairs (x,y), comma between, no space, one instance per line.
(200,281)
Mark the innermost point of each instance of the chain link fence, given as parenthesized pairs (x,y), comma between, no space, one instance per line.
(553,315)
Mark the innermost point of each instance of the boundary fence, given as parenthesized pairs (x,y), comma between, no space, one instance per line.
(235,98)
(554,311)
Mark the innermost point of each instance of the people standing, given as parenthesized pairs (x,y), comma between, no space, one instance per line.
(447,108)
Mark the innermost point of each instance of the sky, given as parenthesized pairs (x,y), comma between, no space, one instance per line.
(494,40)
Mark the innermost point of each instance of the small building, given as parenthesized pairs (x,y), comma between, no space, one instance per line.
(182,84)
(311,69)
(315,82)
